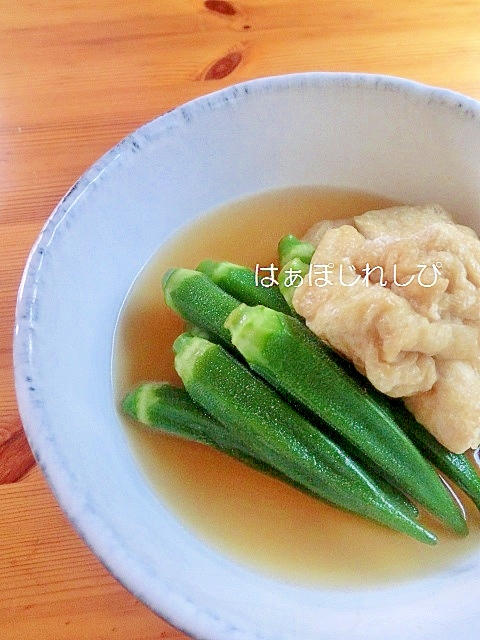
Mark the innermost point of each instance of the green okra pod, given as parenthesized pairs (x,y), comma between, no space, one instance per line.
(272,431)
(244,284)
(199,301)
(290,357)
(167,408)
(291,247)
(456,466)
(290,277)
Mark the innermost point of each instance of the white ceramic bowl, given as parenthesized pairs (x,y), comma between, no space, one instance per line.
(384,135)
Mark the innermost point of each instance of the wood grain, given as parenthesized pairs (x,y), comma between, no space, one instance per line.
(75,77)
(51,585)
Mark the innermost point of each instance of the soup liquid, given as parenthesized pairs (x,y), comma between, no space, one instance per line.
(254,519)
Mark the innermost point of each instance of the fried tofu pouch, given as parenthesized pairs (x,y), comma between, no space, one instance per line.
(397,292)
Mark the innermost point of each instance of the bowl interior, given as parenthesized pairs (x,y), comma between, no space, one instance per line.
(382,135)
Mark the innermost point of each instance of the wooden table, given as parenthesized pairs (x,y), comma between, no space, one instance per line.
(75,77)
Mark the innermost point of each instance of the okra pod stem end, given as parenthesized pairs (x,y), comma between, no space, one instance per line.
(136,403)
(290,277)
(291,247)
(172,279)
(129,404)
(245,321)
(208,267)
(187,348)
(217,270)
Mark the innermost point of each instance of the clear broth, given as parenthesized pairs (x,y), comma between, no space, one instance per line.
(256,520)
